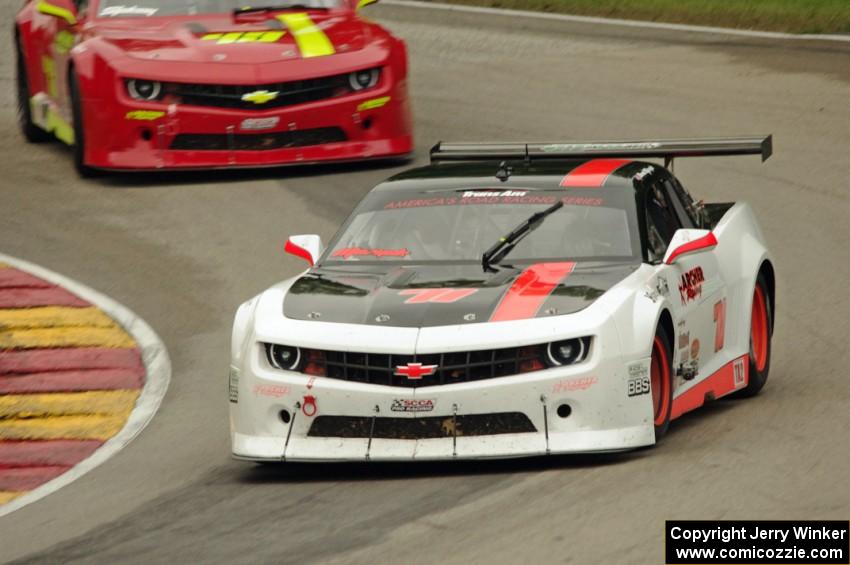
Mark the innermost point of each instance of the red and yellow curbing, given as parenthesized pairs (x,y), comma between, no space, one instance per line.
(69,379)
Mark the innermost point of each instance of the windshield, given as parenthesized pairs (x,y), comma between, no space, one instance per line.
(461,225)
(147,8)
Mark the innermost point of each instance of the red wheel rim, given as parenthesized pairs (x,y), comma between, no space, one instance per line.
(759,332)
(659,374)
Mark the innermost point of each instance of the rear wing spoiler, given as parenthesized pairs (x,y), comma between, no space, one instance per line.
(661,148)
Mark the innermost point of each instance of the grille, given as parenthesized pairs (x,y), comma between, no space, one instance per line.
(378,368)
(257,141)
(288,93)
(421,428)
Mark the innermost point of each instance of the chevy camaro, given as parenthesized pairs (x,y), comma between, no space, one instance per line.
(210,83)
(509,300)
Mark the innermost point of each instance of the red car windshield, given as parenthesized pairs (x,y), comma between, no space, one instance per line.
(461,225)
(148,8)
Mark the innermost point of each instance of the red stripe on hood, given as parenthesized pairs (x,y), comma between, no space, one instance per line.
(530,290)
(593,174)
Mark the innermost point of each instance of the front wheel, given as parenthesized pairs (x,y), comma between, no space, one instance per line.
(661,382)
(761,326)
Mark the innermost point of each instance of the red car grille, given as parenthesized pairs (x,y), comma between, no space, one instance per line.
(257,141)
(288,93)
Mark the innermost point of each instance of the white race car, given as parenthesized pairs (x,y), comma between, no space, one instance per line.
(508,300)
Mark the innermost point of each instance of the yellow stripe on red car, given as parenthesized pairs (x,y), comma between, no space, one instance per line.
(311,40)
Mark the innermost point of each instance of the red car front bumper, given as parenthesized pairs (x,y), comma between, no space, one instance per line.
(131,135)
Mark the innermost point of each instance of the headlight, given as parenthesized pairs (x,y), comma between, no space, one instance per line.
(568,351)
(284,357)
(361,80)
(144,89)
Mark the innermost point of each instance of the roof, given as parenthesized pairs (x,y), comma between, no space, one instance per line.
(538,175)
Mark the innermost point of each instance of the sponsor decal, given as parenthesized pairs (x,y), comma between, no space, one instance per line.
(690,286)
(719,324)
(254,124)
(572,385)
(309,407)
(144,115)
(310,382)
(684,340)
(739,373)
(260,96)
(493,193)
(436,295)
(641,174)
(274,391)
(115,11)
(581,201)
(373,104)
(638,383)
(413,405)
(415,371)
(695,350)
(459,201)
(233,385)
(223,38)
(574,147)
(348,252)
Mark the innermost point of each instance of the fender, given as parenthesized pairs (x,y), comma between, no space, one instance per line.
(740,251)
(23,33)
(243,321)
(632,303)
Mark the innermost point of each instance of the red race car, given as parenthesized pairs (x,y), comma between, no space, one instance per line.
(160,84)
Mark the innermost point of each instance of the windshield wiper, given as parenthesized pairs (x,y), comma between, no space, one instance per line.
(257,9)
(508,242)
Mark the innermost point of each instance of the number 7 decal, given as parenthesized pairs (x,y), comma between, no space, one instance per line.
(719,325)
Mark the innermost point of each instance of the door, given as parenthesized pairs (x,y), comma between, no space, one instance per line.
(697,290)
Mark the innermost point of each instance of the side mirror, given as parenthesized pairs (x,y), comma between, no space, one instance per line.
(688,242)
(307,247)
(364,3)
(62,9)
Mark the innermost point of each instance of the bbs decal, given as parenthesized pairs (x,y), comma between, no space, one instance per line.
(638,382)
(638,386)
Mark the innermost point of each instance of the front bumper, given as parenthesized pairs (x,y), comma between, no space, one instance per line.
(129,135)
(602,417)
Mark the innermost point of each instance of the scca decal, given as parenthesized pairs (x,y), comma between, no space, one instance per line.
(410,405)
(690,287)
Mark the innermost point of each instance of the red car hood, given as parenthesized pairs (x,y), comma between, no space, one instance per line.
(213,38)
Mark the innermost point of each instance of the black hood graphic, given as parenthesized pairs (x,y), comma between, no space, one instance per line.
(441,295)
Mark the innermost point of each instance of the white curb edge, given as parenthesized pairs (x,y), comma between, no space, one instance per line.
(157,365)
(617,22)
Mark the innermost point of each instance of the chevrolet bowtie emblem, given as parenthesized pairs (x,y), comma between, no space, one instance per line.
(415,371)
(260,96)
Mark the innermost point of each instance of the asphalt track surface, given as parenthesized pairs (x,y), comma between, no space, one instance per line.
(183,251)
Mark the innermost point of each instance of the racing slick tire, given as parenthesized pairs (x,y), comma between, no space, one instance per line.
(31,132)
(761,329)
(79,147)
(661,382)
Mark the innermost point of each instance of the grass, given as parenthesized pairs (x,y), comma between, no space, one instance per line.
(793,16)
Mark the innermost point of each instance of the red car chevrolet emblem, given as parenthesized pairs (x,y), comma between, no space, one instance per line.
(415,371)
